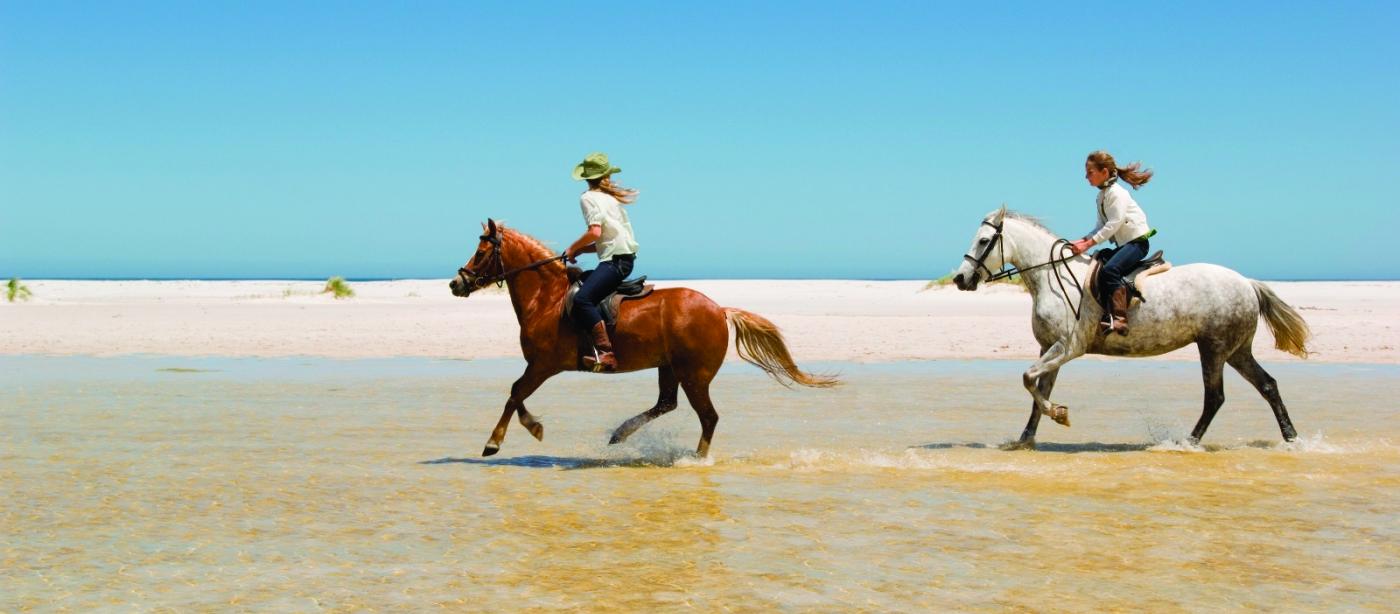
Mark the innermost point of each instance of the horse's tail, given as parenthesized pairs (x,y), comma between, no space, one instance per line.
(1290,331)
(760,343)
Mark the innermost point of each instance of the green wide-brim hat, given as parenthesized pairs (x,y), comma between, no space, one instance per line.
(594,165)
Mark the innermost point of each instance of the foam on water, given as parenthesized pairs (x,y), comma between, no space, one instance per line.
(816,460)
(1307,444)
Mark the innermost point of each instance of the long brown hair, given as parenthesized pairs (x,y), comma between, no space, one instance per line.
(1133,174)
(605,185)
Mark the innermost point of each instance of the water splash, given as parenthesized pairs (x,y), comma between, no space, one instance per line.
(654,447)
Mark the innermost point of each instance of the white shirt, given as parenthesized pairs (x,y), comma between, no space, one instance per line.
(601,209)
(1120,218)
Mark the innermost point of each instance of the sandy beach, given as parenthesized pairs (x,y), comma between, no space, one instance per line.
(875,321)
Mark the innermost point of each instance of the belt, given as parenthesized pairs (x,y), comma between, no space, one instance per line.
(1145,237)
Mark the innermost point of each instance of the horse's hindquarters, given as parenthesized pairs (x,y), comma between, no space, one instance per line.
(670,326)
(1188,304)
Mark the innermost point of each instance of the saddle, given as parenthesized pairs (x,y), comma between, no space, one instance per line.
(610,306)
(1148,267)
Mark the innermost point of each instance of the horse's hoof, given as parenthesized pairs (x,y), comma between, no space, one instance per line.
(1060,414)
(616,439)
(537,429)
(491,450)
(1022,444)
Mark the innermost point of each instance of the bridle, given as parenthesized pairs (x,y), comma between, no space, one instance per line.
(1007,270)
(476,281)
(980,262)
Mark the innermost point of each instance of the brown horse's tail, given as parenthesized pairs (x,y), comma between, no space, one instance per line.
(1290,331)
(761,344)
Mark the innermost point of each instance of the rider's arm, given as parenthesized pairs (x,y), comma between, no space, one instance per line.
(1115,212)
(584,244)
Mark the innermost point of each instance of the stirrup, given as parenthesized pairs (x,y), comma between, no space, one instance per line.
(595,364)
(1114,325)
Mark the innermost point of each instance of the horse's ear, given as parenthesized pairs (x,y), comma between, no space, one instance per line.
(491,227)
(1000,215)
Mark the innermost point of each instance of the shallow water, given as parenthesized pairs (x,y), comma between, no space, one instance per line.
(317,484)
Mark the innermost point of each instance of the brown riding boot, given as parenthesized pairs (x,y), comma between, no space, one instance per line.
(605,362)
(1118,312)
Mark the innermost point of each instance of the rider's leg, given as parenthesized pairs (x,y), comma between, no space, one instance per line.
(1113,291)
(588,314)
(1103,256)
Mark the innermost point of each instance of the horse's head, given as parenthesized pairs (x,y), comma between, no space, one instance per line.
(485,263)
(987,254)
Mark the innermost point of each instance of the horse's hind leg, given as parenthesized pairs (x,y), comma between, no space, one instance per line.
(697,391)
(1212,375)
(665,402)
(1244,362)
(519,391)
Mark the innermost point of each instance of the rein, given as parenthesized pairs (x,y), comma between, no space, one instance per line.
(478,282)
(1007,270)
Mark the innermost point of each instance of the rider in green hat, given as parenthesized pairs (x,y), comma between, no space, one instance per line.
(610,235)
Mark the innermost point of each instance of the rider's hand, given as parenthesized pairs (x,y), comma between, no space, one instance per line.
(568,257)
(1080,246)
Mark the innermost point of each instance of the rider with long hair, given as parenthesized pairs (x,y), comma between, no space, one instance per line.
(609,234)
(1122,221)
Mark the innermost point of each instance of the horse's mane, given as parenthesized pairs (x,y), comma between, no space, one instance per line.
(1033,221)
(533,247)
(1029,219)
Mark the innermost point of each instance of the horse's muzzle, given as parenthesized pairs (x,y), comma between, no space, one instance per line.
(965,284)
(461,286)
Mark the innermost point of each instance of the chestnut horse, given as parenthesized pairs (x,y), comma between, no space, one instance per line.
(677,331)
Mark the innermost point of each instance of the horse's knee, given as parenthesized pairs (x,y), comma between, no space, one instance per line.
(1028,380)
(1269,390)
(708,420)
(1268,384)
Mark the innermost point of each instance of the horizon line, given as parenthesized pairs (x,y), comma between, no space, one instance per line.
(686,278)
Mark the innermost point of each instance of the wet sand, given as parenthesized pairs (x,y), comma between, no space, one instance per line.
(822,319)
(305,484)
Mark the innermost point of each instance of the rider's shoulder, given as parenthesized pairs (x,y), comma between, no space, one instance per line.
(1114,192)
(596,197)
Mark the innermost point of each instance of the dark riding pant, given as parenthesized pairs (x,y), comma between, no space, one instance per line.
(1118,262)
(603,281)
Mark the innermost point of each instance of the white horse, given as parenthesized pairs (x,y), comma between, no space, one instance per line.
(1214,307)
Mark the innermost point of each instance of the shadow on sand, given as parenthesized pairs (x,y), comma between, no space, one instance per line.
(566,463)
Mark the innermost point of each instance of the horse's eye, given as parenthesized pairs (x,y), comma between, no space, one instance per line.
(983,241)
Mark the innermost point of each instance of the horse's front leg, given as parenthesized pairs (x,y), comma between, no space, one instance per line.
(519,391)
(1039,380)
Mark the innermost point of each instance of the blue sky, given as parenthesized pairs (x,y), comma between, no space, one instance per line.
(847,140)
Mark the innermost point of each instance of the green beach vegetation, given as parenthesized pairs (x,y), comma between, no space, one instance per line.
(947,280)
(16,291)
(337,286)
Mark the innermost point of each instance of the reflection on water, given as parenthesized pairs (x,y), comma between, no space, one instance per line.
(306,484)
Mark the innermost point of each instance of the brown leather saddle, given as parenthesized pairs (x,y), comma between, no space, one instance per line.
(1150,265)
(630,289)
